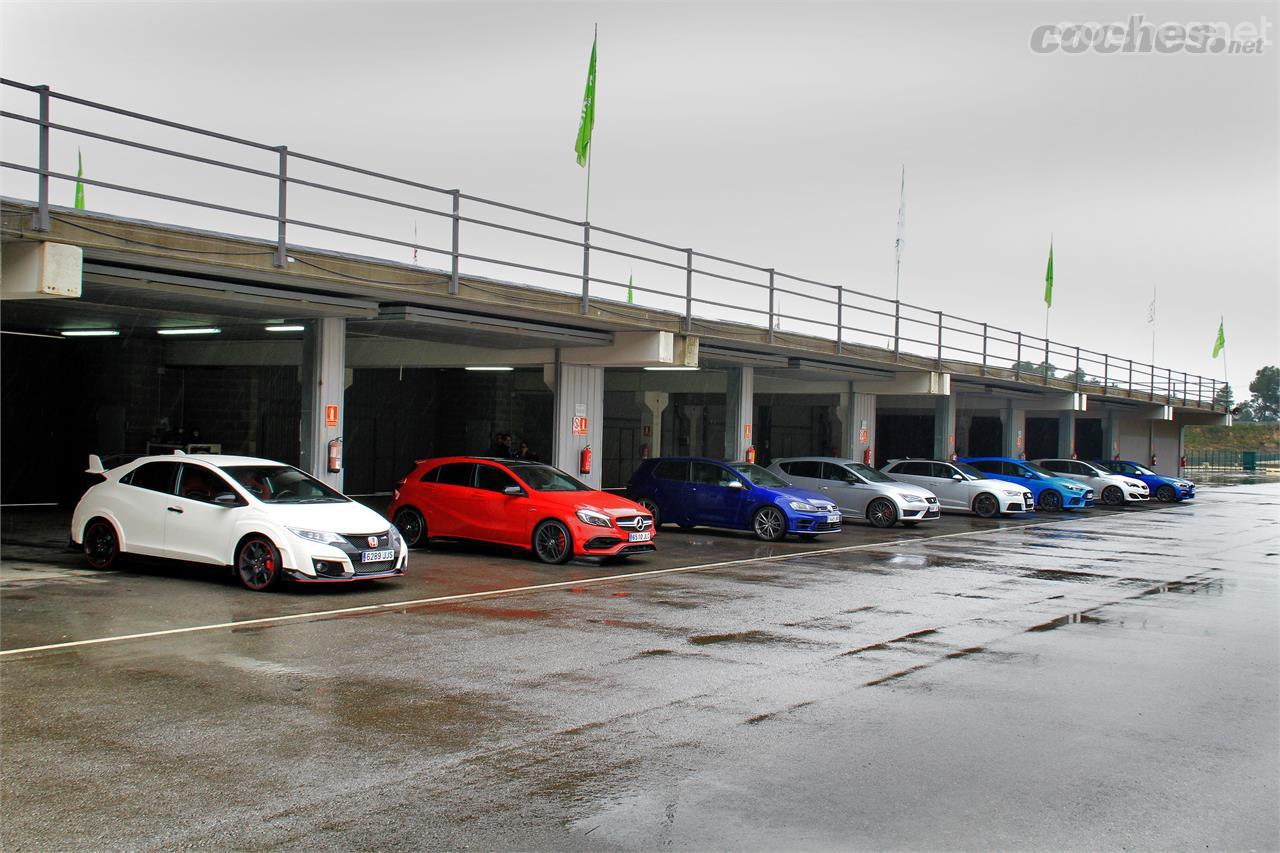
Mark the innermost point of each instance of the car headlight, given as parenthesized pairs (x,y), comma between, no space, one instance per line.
(324,537)
(912,499)
(393,537)
(589,516)
(801,506)
(1013,493)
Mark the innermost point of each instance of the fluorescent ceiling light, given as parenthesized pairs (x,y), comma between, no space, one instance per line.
(672,368)
(286,328)
(489,367)
(90,333)
(193,331)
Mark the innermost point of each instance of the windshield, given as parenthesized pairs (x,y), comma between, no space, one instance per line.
(759,476)
(1043,472)
(868,473)
(969,471)
(1094,469)
(544,478)
(283,484)
(1146,472)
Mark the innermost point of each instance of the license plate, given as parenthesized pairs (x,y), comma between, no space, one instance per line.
(834,518)
(640,537)
(377,556)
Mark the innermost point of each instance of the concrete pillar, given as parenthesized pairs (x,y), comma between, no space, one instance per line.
(1111,435)
(654,404)
(857,413)
(1066,434)
(944,427)
(694,416)
(739,406)
(579,414)
(324,375)
(1015,432)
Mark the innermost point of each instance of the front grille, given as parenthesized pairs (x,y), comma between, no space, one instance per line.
(933,513)
(360,541)
(600,543)
(375,568)
(634,522)
(820,526)
(1028,501)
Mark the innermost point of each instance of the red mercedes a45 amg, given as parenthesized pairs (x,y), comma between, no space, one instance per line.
(527,505)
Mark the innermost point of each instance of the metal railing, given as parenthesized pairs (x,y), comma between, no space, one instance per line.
(551,252)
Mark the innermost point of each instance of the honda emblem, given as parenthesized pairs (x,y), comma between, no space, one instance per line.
(373,541)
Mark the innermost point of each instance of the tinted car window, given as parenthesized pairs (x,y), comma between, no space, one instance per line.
(544,478)
(840,474)
(201,484)
(493,479)
(431,476)
(283,484)
(916,469)
(1055,465)
(156,476)
(991,466)
(940,470)
(704,473)
(804,468)
(672,469)
(457,473)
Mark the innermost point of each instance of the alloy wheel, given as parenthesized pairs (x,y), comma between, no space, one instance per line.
(985,505)
(412,526)
(1112,496)
(551,542)
(1050,501)
(1165,494)
(101,547)
(258,564)
(882,513)
(769,524)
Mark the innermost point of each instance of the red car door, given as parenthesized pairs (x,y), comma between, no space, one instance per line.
(451,503)
(501,517)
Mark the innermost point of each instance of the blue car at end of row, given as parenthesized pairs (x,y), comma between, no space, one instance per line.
(691,491)
(1164,489)
(1052,493)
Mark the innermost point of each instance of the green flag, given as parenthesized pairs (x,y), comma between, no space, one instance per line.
(1048,279)
(79,185)
(588,121)
(631,297)
(1221,341)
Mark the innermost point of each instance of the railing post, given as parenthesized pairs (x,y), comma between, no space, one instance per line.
(983,370)
(586,267)
(40,221)
(897,329)
(1186,388)
(282,252)
(771,295)
(839,319)
(1199,390)
(1046,361)
(1168,378)
(1152,377)
(688,290)
(1106,369)
(1077,369)
(457,223)
(939,341)
(1017,362)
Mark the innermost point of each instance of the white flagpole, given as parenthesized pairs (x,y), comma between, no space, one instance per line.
(901,240)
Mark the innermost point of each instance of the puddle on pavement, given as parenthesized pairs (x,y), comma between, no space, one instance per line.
(760,637)
(653,653)
(1064,575)
(1189,586)
(1082,618)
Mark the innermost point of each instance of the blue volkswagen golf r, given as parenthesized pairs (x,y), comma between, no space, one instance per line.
(1052,492)
(690,491)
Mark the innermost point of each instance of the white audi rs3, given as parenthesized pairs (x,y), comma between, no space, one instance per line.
(266,520)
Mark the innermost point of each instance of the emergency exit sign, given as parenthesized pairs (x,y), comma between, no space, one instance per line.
(579,425)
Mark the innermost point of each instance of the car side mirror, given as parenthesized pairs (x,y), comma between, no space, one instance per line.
(737,484)
(514,491)
(959,478)
(226,499)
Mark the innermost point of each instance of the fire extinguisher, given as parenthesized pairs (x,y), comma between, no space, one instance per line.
(584,460)
(644,451)
(751,455)
(1182,462)
(866,456)
(335,455)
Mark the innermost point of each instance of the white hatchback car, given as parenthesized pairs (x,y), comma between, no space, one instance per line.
(266,520)
(963,487)
(860,490)
(1113,489)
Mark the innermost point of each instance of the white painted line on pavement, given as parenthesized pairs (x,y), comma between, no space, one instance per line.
(495,593)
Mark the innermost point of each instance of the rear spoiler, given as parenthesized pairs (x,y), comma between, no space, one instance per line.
(95,465)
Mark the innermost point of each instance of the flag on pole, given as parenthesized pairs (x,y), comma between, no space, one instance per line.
(588,120)
(1048,279)
(1221,341)
(902,217)
(79,205)
(631,297)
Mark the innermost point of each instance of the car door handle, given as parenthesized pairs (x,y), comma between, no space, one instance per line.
(176,509)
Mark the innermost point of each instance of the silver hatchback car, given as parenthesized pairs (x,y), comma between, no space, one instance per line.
(860,490)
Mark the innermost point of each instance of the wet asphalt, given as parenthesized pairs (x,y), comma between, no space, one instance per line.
(1105,680)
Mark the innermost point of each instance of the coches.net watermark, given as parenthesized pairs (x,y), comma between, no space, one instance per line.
(1139,36)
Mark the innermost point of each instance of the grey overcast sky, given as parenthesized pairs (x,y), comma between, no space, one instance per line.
(769,132)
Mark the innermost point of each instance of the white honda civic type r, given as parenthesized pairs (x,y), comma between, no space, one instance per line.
(266,520)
